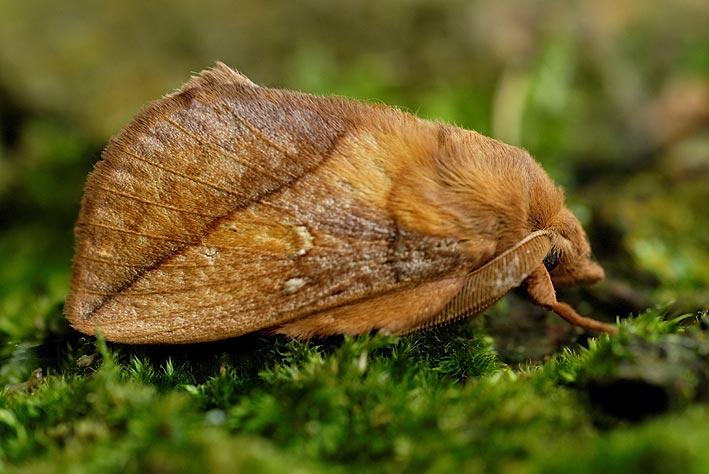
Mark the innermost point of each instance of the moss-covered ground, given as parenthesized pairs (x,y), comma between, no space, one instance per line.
(611,97)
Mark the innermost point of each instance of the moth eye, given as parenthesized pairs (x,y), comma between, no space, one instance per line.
(552,259)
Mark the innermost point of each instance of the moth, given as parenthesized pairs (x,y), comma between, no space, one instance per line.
(227,208)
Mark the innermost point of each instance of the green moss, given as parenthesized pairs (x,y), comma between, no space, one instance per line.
(434,401)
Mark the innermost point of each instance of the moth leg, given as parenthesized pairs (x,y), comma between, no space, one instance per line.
(540,290)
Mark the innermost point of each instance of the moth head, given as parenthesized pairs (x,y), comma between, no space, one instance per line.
(569,261)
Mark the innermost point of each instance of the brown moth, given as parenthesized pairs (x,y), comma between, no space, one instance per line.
(227,208)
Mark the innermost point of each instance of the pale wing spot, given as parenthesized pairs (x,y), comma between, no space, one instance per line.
(306,239)
(293,284)
(211,254)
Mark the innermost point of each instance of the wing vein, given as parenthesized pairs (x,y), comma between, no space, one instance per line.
(119,321)
(223,151)
(118,263)
(155,203)
(254,130)
(186,289)
(134,232)
(205,183)
(183,175)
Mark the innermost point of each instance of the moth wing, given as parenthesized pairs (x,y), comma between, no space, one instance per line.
(227,208)
(397,312)
(219,75)
(432,303)
(181,168)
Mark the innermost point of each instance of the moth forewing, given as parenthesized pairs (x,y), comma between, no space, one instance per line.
(227,208)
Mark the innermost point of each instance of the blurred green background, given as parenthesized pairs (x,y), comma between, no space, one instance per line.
(612,97)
